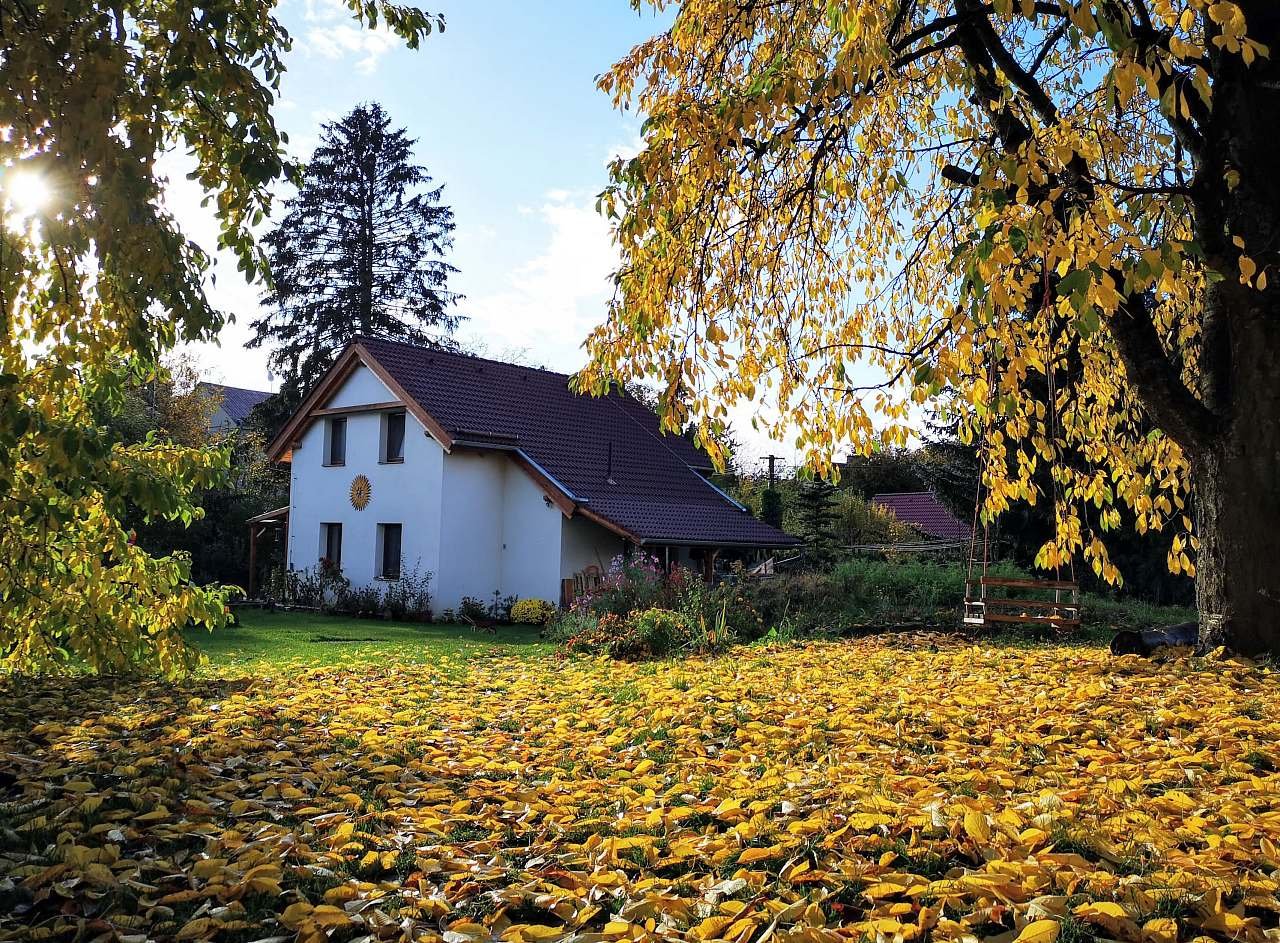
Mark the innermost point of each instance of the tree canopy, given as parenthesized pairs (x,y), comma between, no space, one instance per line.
(360,251)
(1065,210)
(97,281)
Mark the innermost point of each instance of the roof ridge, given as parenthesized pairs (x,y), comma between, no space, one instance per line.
(460,355)
(228,386)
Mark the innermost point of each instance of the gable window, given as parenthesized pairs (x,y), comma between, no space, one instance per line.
(388,562)
(335,440)
(331,544)
(392,437)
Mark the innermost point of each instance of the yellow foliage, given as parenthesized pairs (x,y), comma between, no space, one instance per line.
(843,209)
(913,789)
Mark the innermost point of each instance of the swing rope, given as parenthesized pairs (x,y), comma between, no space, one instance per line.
(1061,614)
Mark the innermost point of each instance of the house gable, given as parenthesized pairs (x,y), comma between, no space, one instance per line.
(315,404)
(407,492)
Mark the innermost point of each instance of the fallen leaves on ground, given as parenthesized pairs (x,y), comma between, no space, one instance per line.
(909,790)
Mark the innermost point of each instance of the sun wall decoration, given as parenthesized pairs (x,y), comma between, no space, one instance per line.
(361,492)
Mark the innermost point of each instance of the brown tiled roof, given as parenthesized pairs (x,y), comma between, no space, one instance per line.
(923,511)
(607,452)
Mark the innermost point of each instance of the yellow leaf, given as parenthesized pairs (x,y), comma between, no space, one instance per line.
(293,915)
(534,931)
(197,929)
(326,915)
(978,826)
(752,855)
(1040,931)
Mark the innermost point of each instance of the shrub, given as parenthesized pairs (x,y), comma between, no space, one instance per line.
(500,608)
(632,584)
(365,601)
(532,612)
(863,590)
(609,634)
(647,634)
(409,597)
(571,623)
(858,521)
(726,604)
(472,609)
(659,631)
(318,587)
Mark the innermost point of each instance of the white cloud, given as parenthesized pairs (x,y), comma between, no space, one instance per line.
(343,40)
(549,302)
(335,35)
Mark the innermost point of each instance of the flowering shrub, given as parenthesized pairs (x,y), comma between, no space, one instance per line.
(327,588)
(631,584)
(640,610)
(532,612)
(648,634)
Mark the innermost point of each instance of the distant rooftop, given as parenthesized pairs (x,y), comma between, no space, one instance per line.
(923,511)
(236,402)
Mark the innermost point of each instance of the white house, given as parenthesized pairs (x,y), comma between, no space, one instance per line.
(492,477)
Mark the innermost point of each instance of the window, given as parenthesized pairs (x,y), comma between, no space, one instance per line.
(335,441)
(331,543)
(392,437)
(389,551)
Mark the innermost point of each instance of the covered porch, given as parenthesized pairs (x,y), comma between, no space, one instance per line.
(273,524)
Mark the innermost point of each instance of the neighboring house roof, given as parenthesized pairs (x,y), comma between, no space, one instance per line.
(234,401)
(923,511)
(602,457)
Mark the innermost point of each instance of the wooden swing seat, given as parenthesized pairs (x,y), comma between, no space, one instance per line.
(982,608)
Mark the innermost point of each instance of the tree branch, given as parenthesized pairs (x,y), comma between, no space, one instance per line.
(1173,407)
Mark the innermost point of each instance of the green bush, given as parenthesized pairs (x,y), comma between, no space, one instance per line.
(642,612)
(863,591)
(660,631)
(532,612)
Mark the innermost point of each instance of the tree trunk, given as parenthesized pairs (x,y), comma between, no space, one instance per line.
(1237,493)
(1236,467)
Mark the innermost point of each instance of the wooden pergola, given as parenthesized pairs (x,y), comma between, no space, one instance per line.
(259,525)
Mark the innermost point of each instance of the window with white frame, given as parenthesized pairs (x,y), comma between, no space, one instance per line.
(392,438)
(331,543)
(388,553)
(335,440)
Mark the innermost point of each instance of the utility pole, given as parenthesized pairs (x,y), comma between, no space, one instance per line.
(772,477)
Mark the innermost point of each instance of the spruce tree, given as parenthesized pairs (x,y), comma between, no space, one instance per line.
(816,515)
(360,251)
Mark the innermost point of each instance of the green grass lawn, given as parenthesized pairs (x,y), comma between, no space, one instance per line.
(322,640)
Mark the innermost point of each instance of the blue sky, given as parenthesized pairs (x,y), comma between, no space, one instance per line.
(506,114)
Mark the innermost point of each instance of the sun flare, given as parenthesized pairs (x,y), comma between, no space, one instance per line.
(27,192)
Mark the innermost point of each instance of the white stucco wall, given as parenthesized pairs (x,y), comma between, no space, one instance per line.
(471,525)
(531,538)
(407,493)
(584,543)
(360,389)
